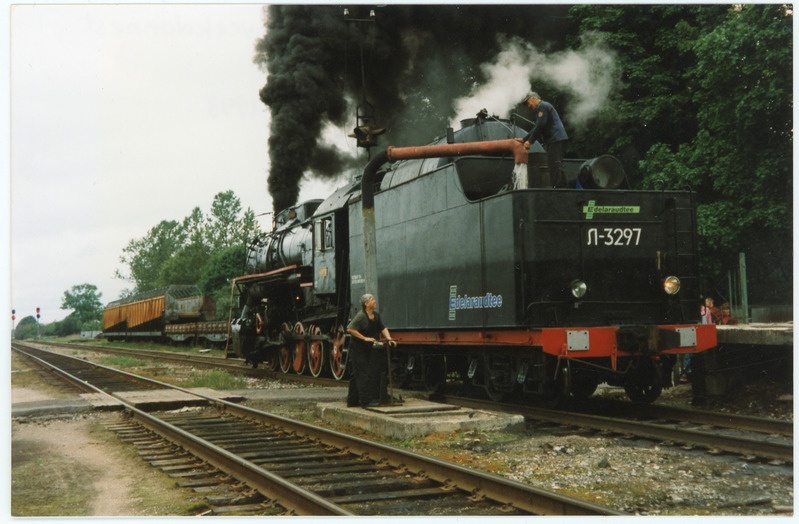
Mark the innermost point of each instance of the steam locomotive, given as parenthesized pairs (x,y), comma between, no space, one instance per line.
(485,273)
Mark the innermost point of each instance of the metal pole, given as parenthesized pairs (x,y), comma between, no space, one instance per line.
(744,290)
(730,290)
(390,380)
(370,251)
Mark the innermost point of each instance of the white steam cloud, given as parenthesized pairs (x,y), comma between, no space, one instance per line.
(587,75)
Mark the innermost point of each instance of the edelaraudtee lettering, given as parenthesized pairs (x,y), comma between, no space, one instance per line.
(467,302)
(456,301)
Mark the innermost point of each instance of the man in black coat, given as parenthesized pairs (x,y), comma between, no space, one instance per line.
(549,128)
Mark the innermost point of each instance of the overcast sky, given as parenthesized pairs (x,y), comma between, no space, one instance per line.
(123,116)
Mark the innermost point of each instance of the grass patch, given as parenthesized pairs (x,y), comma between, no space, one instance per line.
(48,485)
(131,344)
(122,361)
(215,379)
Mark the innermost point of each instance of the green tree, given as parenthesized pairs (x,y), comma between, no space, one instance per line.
(186,263)
(84,300)
(223,266)
(740,160)
(706,104)
(227,226)
(27,328)
(654,49)
(146,257)
(218,275)
(194,227)
(175,253)
(69,326)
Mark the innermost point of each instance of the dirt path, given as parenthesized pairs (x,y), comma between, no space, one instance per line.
(73,466)
(76,442)
(77,445)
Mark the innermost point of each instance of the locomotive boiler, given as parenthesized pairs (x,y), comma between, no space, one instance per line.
(486,274)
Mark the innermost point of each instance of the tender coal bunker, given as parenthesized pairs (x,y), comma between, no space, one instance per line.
(484,177)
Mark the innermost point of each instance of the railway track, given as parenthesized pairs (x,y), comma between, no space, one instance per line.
(717,432)
(237,365)
(270,464)
(658,412)
(714,432)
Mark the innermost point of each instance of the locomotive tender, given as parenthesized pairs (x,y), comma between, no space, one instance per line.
(530,289)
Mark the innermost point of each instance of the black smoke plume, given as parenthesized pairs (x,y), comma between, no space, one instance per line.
(416,61)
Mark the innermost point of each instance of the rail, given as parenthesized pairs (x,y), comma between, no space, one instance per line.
(441,479)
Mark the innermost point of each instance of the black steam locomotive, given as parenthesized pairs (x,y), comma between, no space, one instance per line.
(486,274)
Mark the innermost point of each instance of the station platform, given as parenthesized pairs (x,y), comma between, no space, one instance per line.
(160,399)
(52,408)
(146,400)
(747,352)
(758,334)
(415,418)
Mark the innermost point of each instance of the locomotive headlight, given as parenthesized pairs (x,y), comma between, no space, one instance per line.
(578,288)
(671,285)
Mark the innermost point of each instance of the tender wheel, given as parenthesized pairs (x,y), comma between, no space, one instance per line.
(316,353)
(583,388)
(435,373)
(492,392)
(497,373)
(400,369)
(298,358)
(643,391)
(559,390)
(338,354)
